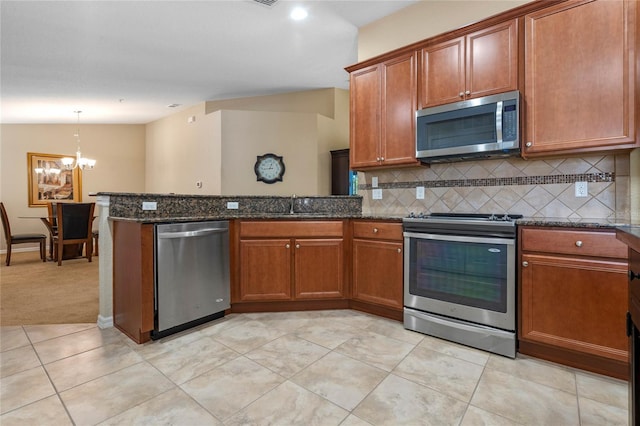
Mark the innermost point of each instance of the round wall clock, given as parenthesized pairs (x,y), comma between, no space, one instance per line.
(269,168)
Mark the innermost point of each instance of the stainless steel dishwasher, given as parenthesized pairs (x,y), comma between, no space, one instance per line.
(192,274)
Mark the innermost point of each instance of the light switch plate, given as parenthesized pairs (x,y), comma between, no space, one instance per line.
(582,189)
(419,192)
(377,194)
(149,205)
(374,182)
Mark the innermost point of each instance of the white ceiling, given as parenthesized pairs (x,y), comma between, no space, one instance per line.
(125,61)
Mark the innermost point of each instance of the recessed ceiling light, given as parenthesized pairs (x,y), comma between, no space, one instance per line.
(298,13)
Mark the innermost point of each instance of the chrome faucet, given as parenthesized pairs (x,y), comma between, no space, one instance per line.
(293,198)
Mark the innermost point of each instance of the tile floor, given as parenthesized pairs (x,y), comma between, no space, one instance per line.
(338,367)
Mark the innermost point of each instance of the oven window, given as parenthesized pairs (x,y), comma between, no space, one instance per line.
(470,274)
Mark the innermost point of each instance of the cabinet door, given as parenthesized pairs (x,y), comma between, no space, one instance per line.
(574,303)
(377,272)
(399,95)
(265,269)
(319,266)
(365,117)
(579,77)
(442,73)
(492,60)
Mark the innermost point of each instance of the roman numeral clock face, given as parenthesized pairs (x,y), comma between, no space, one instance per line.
(269,168)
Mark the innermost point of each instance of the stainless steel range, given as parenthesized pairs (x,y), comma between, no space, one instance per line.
(460,278)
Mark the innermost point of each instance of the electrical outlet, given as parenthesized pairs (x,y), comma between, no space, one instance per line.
(149,205)
(419,192)
(232,205)
(582,189)
(377,194)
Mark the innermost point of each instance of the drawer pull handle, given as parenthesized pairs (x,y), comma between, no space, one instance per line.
(375,230)
(287,246)
(578,243)
(525,264)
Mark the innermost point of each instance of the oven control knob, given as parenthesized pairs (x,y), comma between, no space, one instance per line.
(525,264)
(578,243)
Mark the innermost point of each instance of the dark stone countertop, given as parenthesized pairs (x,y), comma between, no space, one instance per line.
(571,223)
(630,235)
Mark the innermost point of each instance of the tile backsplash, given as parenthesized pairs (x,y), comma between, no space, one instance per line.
(533,188)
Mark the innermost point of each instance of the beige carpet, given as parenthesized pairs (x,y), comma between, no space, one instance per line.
(33,292)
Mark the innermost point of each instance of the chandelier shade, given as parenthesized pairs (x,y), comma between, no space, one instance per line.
(80,161)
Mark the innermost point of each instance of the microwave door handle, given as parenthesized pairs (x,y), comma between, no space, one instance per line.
(499,122)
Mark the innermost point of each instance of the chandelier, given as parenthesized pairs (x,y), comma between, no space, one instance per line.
(80,161)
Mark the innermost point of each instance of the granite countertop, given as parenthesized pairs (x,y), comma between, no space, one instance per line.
(571,223)
(630,235)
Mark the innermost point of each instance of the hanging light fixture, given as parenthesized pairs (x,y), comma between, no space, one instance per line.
(80,161)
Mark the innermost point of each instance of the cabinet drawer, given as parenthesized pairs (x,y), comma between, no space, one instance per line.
(291,228)
(580,243)
(377,230)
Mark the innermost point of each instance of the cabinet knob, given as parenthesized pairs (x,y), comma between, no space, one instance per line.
(468,92)
(633,275)
(377,158)
(528,144)
(399,250)
(375,230)
(525,264)
(287,246)
(461,94)
(578,243)
(381,158)
(297,245)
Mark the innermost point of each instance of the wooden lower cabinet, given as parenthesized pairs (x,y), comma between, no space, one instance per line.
(286,261)
(573,306)
(377,268)
(133,273)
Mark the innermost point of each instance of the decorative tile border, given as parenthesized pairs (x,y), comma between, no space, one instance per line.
(504,181)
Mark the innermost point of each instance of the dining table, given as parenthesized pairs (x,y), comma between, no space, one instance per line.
(68,251)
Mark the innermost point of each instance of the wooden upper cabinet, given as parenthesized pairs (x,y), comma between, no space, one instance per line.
(580,77)
(482,63)
(383,106)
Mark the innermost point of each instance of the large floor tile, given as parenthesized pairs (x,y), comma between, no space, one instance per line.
(535,370)
(75,343)
(47,411)
(229,388)
(340,379)
(173,407)
(24,388)
(375,349)
(12,337)
(327,332)
(289,404)
(287,355)
(395,330)
(607,390)
(17,360)
(248,336)
(475,416)
(397,401)
(594,413)
(110,395)
(452,376)
(524,401)
(193,359)
(38,333)
(455,350)
(83,367)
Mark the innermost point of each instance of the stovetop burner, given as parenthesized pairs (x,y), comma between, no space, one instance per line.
(493,217)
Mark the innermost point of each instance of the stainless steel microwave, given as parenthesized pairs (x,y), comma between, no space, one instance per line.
(478,128)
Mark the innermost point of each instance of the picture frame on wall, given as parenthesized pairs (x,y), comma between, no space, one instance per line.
(49,181)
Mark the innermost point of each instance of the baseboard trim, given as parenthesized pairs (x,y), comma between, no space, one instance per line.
(105,322)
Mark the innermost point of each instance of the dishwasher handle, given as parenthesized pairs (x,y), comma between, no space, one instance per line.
(191,234)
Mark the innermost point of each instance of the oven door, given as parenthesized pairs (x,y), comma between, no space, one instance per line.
(466,278)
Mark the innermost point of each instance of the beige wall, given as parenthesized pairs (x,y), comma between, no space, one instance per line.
(425,19)
(118,149)
(180,153)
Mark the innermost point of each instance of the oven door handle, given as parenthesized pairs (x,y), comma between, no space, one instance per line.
(458,238)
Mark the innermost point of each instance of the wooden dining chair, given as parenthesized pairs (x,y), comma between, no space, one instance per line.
(74,221)
(51,222)
(12,239)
